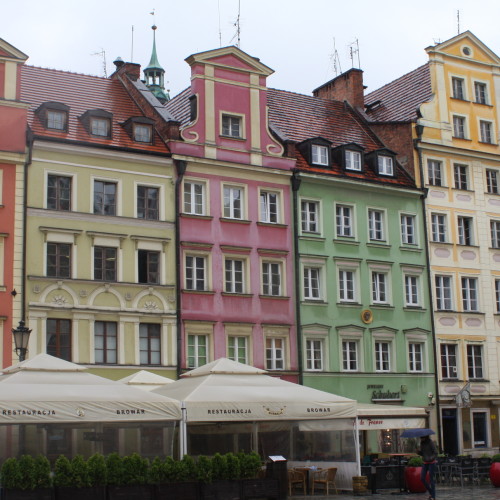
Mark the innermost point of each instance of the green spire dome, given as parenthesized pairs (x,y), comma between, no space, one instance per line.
(154,74)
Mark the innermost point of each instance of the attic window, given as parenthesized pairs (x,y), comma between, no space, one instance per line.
(140,129)
(352,160)
(54,115)
(466,51)
(319,154)
(97,122)
(231,126)
(385,165)
(100,126)
(142,133)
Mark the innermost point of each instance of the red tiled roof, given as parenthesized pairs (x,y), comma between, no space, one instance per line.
(83,93)
(400,99)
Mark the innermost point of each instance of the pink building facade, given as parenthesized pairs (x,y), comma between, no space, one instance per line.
(236,264)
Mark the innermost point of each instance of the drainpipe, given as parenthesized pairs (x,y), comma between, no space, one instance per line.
(181,167)
(296,180)
(419,130)
(29,143)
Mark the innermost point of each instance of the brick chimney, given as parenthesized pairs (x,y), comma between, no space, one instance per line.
(133,70)
(346,87)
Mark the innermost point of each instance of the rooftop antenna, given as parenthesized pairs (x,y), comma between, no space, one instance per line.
(132,46)
(458,22)
(220,32)
(103,55)
(237,25)
(335,60)
(353,51)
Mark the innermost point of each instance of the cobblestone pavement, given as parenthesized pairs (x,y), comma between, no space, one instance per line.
(486,492)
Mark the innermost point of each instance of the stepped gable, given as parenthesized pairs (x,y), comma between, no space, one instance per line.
(296,117)
(399,100)
(83,93)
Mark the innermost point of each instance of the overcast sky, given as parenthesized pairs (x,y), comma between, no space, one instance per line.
(296,38)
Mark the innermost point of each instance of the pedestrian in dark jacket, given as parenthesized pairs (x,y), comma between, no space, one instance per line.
(429,453)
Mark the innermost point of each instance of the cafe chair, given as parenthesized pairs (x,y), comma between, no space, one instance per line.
(326,479)
(296,479)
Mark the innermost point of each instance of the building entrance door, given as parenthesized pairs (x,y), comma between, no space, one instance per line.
(450,434)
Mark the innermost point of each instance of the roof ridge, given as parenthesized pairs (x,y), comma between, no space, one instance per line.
(66,72)
(397,79)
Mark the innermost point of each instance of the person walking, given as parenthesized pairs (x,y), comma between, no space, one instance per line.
(429,452)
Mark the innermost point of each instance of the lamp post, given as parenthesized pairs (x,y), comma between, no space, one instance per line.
(21,337)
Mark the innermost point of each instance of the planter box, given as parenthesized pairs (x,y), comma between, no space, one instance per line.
(221,490)
(37,494)
(71,493)
(177,491)
(130,492)
(259,488)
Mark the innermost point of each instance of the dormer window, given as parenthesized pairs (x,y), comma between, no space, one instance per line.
(140,129)
(319,154)
(352,160)
(385,165)
(142,133)
(231,126)
(97,122)
(54,116)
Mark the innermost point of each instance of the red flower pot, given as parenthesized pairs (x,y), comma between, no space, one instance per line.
(412,478)
(495,474)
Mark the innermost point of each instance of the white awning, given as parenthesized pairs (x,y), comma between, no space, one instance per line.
(373,417)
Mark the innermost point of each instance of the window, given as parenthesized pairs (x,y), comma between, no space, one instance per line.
(480,92)
(412,298)
(497,295)
(104,198)
(271,278)
(434,172)
(495,233)
(148,266)
(346,286)
(376,225)
(150,344)
(469,294)
(237,349)
(312,290)
(458,85)
(234,276)
(382,356)
(379,288)
(148,203)
(485,129)
(100,126)
(459,127)
(194,198)
(319,154)
(196,278)
(59,338)
(408,236)
(59,260)
(57,120)
(449,361)
(415,357)
(105,259)
(385,165)
(438,227)
(233,201)
(475,361)
(350,355)
(58,192)
(492,181)
(197,350)
(105,342)
(275,353)
(460,176)
(231,126)
(480,429)
(143,133)
(465,230)
(310,216)
(314,355)
(344,218)
(269,207)
(352,160)
(443,293)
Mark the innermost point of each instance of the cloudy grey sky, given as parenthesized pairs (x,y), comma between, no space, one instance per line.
(296,38)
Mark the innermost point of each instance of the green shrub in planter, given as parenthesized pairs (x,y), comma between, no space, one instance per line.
(114,469)
(188,468)
(27,467)
(496,457)
(156,472)
(10,474)
(79,472)
(219,467)
(233,466)
(62,472)
(250,465)
(415,462)
(204,469)
(135,469)
(96,466)
(42,472)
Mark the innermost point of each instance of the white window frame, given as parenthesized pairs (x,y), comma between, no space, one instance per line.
(319,155)
(439,227)
(275,355)
(195,210)
(344,220)
(484,85)
(74,189)
(470,293)
(385,165)
(495,233)
(200,258)
(309,290)
(379,355)
(347,288)
(376,228)
(346,358)
(231,212)
(408,231)
(270,272)
(237,340)
(380,286)
(458,89)
(492,181)
(413,360)
(443,286)
(311,224)
(197,357)
(465,230)
(486,131)
(2,258)
(62,120)
(459,172)
(475,371)
(451,368)
(236,121)
(231,285)
(313,347)
(266,214)
(496,285)
(460,126)
(435,172)
(412,291)
(98,125)
(352,160)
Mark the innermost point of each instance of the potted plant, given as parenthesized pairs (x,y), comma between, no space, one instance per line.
(174,479)
(128,477)
(495,470)
(26,478)
(96,467)
(72,479)
(413,472)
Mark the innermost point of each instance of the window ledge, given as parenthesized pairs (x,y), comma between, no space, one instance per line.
(462,138)
(414,308)
(467,246)
(382,306)
(489,143)
(463,190)
(232,137)
(483,104)
(311,237)
(441,243)
(271,224)
(3,288)
(313,302)
(196,216)
(484,380)
(378,245)
(277,297)
(346,241)
(349,304)
(480,313)
(459,99)
(235,221)
(449,379)
(235,294)
(486,193)
(410,249)
(198,292)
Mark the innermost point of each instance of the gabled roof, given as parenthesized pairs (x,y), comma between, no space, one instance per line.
(399,100)
(82,93)
(8,51)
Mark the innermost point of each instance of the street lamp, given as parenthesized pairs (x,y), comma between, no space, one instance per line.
(21,337)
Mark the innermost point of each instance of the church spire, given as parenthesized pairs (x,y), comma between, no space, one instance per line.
(154,74)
